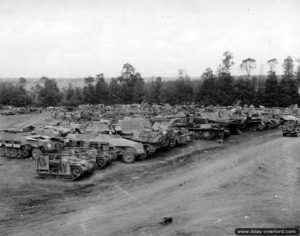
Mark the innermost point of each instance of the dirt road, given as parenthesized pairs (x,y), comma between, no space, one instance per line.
(253,180)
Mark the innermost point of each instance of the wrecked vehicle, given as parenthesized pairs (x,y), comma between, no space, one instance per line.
(69,165)
(22,144)
(105,153)
(290,126)
(152,139)
(178,135)
(202,128)
(128,150)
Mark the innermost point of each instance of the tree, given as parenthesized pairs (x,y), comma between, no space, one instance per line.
(183,88)
(131,85)
(114,92)
(206,94)
(244,91)
(288,89)
(101,90)
(139,90)
(271,97)
(154,90)
(288,67)
(127,70)
(49,94)
(225,89)
(168,93)
(227,62)
(89,90)
(248,65)
(272,63)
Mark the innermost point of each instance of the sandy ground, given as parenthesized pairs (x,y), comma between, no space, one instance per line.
(252,180)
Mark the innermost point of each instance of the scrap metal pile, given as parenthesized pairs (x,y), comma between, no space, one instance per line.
(92,137)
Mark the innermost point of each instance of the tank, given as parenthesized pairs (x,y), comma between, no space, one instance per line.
(21,144)
(67,164)
(202,127)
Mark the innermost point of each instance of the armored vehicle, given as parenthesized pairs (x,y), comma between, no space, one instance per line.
(128,150)
(70,165)
(201,127)
(105,153)
(290,126)
(152,139)
(20,144)
(178,135)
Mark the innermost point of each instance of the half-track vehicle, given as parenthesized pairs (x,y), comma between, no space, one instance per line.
(128,150)
(151,139)
(68,164)
(21,144)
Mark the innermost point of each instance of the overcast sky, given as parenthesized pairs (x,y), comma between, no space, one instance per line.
(77,38)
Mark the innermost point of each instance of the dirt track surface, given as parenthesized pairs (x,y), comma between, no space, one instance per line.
(253,180)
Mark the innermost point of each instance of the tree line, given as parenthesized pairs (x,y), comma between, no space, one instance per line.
(219,88)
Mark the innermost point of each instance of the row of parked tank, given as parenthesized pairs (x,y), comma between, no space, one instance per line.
(72,148)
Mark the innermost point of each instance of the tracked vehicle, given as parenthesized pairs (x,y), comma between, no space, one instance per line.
(104,152)
(128,150)
(201,127)
(21,144)
(67,164)
(290,126)
(178,135)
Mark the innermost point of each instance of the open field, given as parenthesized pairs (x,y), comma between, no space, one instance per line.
(252,180)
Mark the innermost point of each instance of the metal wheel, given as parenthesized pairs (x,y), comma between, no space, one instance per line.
(36,152)
(1,152)
(101,162)
(13,153)
(19,154)
(7,152)
(128,157)
(210,134)
(269,125)
(24,153)
(76,172)
(260,126)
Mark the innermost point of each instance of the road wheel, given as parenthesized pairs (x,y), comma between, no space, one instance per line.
(76,172)
(1,152)
(260,127)
(24,152)
(221,134)
(36,152)
(19,156)
(210,134)
(7,152)
(13,153)
(100,162)
(172,143)
(269,125)
(128,156)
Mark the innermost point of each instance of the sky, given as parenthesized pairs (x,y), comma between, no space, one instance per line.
(79,38)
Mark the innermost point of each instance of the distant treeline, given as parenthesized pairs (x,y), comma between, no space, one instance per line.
(212,89)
